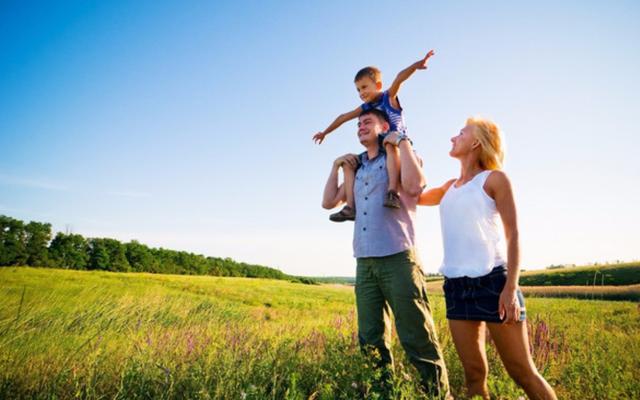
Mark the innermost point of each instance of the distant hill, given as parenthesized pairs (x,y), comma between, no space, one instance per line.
(593,275)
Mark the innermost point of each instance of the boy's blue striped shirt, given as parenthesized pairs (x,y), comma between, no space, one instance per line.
(395,115)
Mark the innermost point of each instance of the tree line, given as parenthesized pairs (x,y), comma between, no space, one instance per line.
(32,244)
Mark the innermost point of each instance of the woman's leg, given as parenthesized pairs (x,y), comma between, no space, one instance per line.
(512,343)
(469,339)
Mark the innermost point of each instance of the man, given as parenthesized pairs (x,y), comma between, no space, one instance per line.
(388,275)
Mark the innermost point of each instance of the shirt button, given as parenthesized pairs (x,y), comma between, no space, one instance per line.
(366,198)
(364,229)
(365,213)
(366,183)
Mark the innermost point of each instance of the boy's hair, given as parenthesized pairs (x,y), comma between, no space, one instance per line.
(369,72)
(491,143)
(378,113)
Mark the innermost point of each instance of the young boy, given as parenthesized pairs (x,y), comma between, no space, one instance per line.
(369,85)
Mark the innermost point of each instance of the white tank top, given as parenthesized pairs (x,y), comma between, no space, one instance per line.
(472,231)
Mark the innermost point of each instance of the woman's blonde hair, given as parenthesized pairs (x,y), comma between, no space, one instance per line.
(490,138)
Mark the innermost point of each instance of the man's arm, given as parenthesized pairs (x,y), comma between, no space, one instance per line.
(334,194)
(404,75)
(432,197)
(342,118)
(412,178)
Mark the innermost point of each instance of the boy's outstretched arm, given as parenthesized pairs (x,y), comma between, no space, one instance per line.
(404,75)
(342,118)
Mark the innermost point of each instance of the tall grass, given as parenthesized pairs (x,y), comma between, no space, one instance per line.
(72,334)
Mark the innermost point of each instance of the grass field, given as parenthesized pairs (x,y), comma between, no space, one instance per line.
(74,334)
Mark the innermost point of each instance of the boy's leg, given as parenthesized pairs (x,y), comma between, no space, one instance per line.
(348,212)
(392,199)
(404,287)
(349,180)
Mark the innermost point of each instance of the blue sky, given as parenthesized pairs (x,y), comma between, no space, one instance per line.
(188,125)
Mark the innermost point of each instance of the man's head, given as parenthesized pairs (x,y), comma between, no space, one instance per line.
(371,123)
(368,83)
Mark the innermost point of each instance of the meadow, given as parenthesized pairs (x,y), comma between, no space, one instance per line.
(89,335)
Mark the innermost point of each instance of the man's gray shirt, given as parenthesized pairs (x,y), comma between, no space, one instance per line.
(380,231)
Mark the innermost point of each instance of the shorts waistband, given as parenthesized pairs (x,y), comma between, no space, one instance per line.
(500,269)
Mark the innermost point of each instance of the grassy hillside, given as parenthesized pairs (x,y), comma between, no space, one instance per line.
(75,334)
(605,275)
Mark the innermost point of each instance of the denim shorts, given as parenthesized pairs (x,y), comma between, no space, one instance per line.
(476,299)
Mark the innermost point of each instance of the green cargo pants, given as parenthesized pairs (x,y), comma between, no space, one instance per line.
(396,283)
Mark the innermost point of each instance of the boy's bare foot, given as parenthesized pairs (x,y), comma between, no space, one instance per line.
(346,214)
(392,199)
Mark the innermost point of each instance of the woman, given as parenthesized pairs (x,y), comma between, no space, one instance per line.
(478,288)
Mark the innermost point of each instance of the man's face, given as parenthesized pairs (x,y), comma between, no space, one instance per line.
(368,89)
(369,127)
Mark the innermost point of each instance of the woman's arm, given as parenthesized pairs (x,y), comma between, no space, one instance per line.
(432,197)
(498,187)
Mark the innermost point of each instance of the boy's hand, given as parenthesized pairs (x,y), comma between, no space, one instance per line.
(422,64)
(319,137)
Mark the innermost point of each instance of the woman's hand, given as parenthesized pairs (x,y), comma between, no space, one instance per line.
(509,306)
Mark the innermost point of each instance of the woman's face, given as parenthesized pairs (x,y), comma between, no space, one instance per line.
(463,143)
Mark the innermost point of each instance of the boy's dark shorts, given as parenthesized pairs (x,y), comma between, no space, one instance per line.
(476,299)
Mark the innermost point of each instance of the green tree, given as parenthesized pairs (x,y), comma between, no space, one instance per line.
(69,251)
(140,257)
(13,249)
(117,256)
(98,255)
(37,237)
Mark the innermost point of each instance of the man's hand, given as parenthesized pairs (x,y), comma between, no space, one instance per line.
(422,64)
(347,160)
(319,137)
